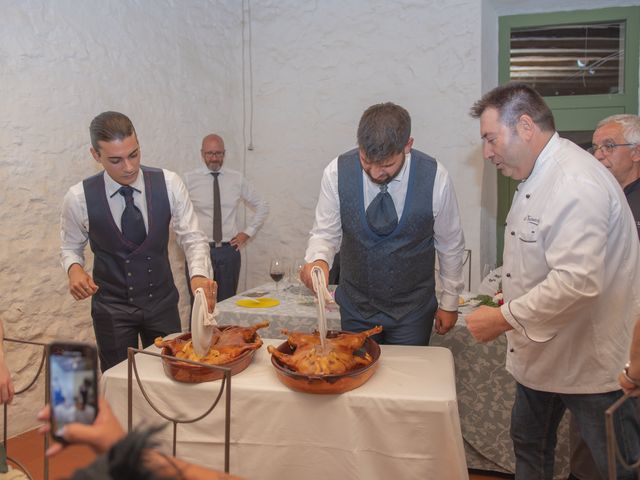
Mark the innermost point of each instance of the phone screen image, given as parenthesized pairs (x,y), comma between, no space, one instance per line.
(73,386)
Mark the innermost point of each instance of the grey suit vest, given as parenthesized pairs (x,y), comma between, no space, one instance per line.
(392,274)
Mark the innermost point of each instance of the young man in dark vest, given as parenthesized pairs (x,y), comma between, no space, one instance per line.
(124,213)
(388,209)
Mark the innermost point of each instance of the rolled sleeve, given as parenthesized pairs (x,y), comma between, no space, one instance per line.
(326,234)
(448,240)
(74,228)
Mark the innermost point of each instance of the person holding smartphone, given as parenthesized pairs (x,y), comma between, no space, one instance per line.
(72,381)
(125,213)
(123,454)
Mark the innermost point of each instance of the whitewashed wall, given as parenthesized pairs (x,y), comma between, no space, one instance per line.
(176,68)
(173,67)
(319,65)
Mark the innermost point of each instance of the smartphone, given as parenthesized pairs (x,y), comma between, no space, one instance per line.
(72,380)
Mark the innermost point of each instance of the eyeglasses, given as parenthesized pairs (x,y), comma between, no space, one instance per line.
(218,154)
(607,148)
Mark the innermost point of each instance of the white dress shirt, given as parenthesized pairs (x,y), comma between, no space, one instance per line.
(326,234)
(74,221)
(571,274)
(234,187)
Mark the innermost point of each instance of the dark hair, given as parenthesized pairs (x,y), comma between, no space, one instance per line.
(514,100)
(383,131)
(109,126)
(125,460)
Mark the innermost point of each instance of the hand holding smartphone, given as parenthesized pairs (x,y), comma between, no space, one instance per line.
(72,381)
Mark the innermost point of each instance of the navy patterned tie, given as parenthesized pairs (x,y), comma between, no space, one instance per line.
(381,213)
(131,222)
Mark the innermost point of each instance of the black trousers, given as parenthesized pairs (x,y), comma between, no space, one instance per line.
(413,329)
(226,261)
(117,328)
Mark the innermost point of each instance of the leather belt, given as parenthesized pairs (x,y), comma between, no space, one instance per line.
(219,244)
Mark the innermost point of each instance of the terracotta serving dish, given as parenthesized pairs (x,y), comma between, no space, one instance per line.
(327,384)
(188,373)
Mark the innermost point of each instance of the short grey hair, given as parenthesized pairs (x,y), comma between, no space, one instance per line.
(630,126)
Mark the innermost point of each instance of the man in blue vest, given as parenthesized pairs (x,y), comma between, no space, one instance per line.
(388,209)
(124,213)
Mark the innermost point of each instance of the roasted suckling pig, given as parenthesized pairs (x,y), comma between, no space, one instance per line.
(227,344)
(343,352)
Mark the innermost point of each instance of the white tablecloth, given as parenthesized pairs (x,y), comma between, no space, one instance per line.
(403,423)
(485,389)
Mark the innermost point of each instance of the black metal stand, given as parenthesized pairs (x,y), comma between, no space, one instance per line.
(43,360)
(613,450)
(225,382)
(467,262)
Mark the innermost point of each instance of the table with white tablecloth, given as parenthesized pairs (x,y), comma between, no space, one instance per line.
(297,310)
(485,389)
(402,423)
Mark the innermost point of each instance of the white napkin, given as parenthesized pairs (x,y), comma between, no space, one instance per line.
(202,323)
(491,283)
(320,285)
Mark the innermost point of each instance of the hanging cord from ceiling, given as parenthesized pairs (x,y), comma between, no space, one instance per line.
(247,104)
(247,75)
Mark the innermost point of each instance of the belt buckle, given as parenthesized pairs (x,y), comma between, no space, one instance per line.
(218,244)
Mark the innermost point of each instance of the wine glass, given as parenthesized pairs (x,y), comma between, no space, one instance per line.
(296,268)
(276,270)
(487,270)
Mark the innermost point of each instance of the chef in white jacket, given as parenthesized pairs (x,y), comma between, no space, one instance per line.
(571,278)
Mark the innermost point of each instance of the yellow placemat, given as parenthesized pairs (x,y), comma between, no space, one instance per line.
(262,302)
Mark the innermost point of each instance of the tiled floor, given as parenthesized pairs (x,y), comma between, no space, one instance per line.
(28,449)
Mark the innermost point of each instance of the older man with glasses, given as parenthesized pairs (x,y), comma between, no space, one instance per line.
(616,143)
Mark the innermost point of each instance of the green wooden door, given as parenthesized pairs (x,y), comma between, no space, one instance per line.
(581,112)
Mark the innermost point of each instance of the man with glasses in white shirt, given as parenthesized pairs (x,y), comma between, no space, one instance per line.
(216,192)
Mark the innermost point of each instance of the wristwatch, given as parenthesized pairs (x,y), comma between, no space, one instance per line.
(625,373)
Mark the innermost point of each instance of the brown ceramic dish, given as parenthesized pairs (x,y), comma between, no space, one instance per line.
(188,373)
(327,384)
